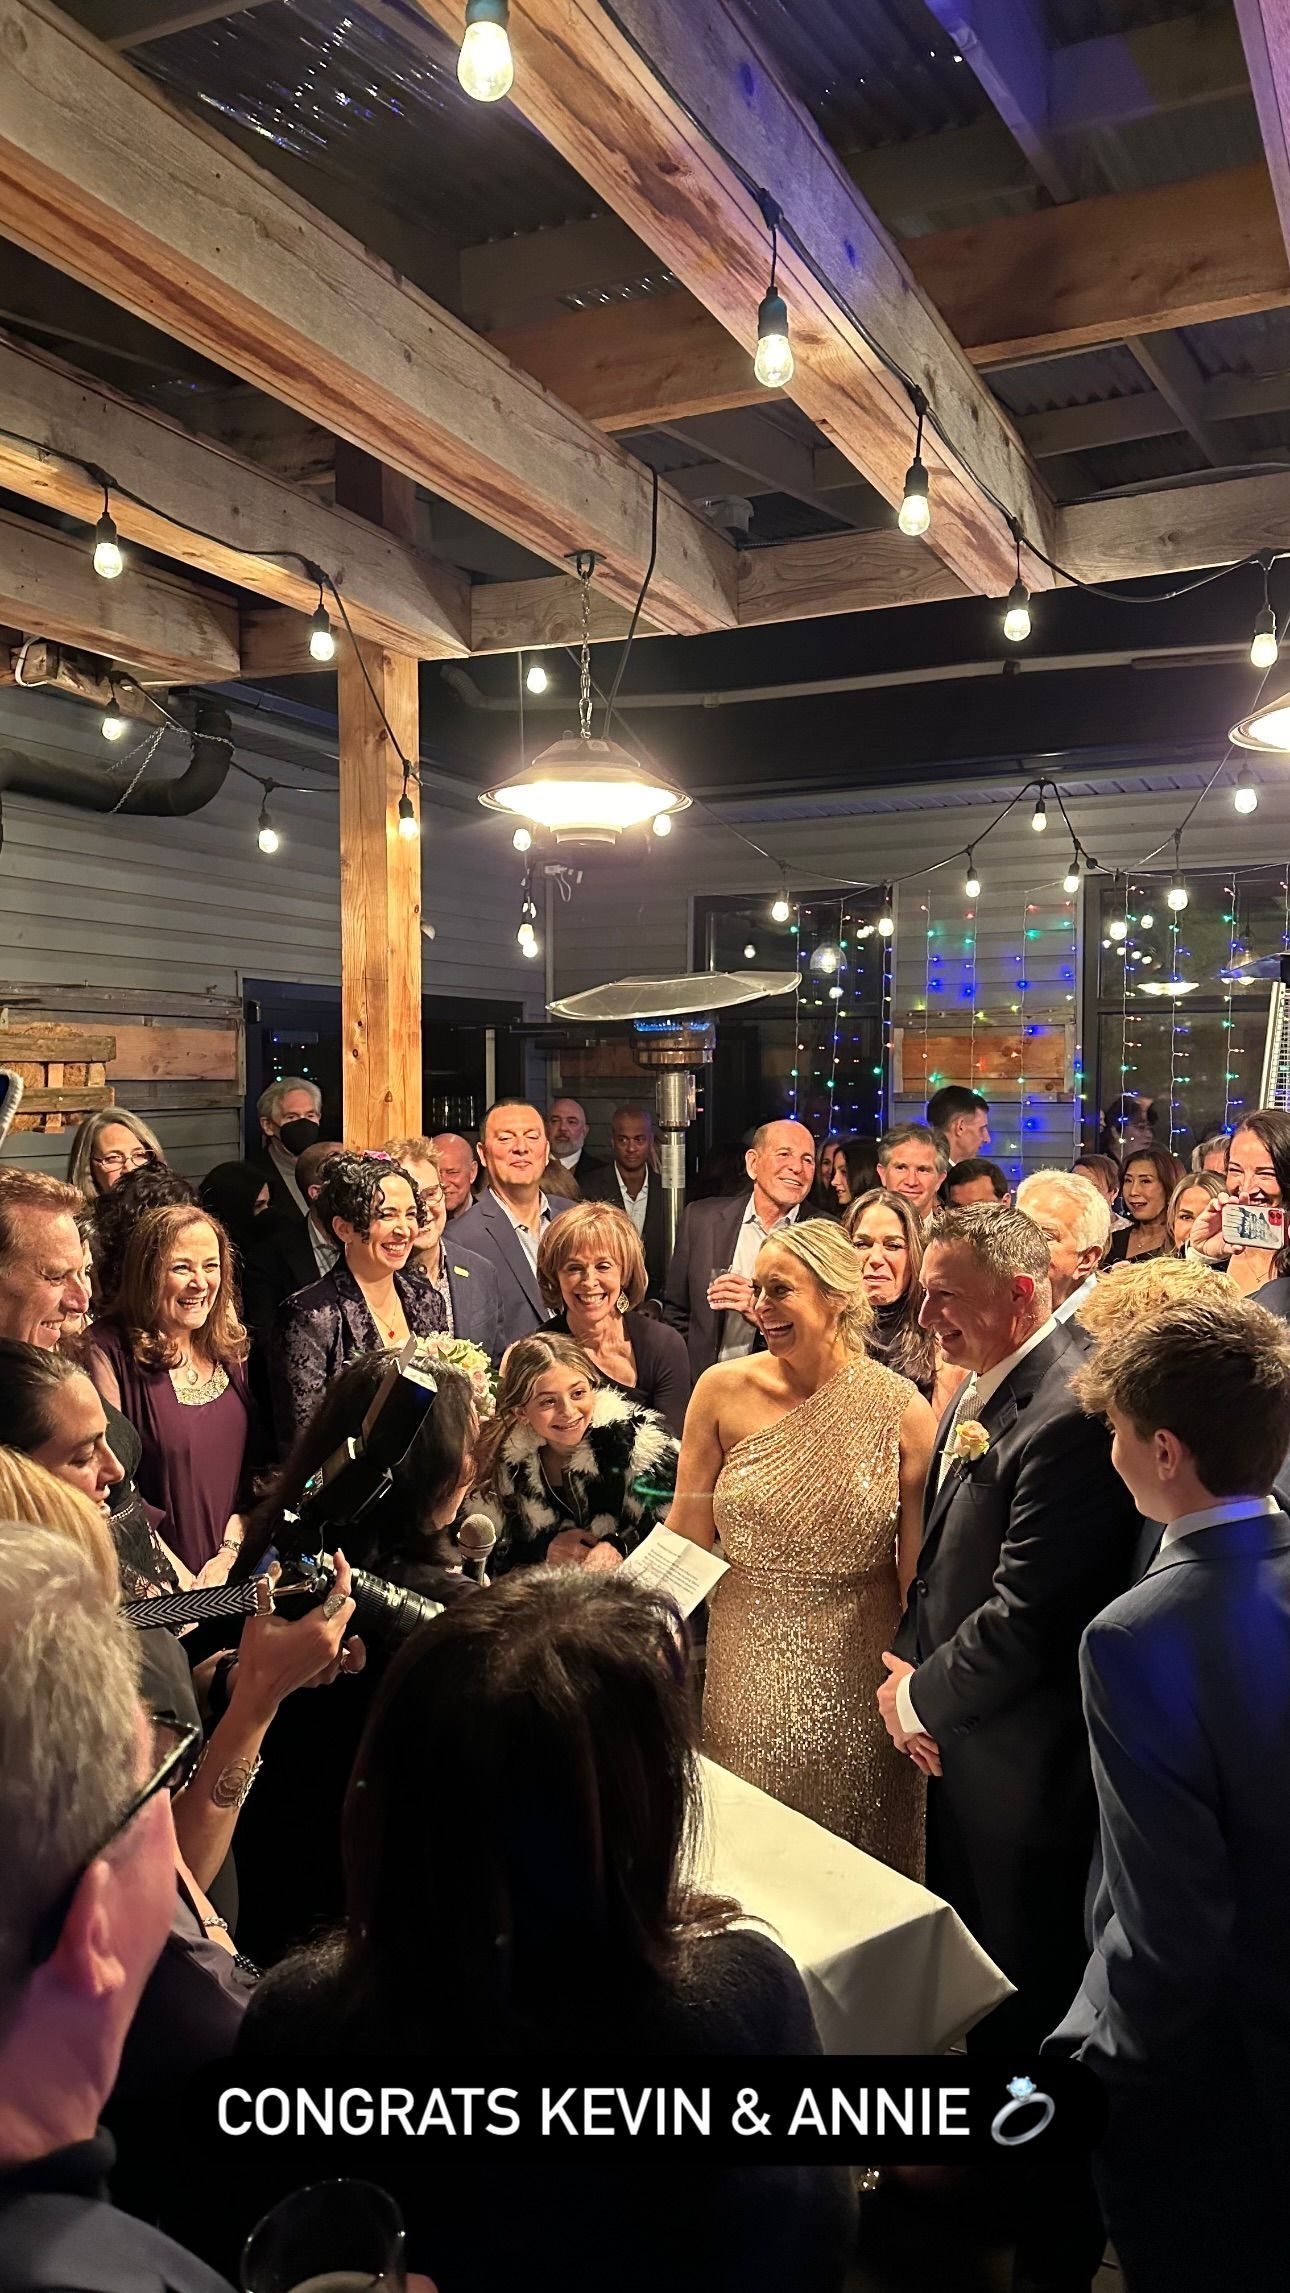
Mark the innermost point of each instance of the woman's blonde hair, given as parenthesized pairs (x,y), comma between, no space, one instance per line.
(591,1226)
(413,1150)
(826,1251)
(522,1365)
(1128,1294)
(30,1492)
(1205,1181)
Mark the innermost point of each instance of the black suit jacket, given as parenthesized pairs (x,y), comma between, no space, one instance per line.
(280,1195)
(603,1186)
(706,1238)
(587,1166)
(60,2234)
(486,1229)
(1019,1550)
(279,1262)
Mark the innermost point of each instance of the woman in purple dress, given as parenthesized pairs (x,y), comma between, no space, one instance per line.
(170,1353)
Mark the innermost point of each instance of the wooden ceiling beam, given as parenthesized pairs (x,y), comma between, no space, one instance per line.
(102,175)
(393,595)
(1016,288)
(144,619)
(1175,529)
(674,161)
(1265,36)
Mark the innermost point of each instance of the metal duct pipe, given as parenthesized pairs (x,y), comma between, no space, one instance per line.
(56,781)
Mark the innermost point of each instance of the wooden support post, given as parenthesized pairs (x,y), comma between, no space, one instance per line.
(380,899)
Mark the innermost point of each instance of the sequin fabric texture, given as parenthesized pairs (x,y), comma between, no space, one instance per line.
(806,1509)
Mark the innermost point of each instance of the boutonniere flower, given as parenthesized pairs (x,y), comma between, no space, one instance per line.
(970,1441)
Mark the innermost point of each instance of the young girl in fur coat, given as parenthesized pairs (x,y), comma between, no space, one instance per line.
(571,1472)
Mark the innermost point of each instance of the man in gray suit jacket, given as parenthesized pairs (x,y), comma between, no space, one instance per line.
(1184,2009)
(508,1221)
(726,1233)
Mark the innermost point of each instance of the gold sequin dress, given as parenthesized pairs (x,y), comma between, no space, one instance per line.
(806,1509)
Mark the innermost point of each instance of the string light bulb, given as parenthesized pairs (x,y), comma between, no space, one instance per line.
(485,65)
(972,882)
(536,679)
(1071,879)
(108,561)
(1118,928)
(749,952)
(322,643)
(915,513)
(781,907)
(1245,796)
(886,924)
(113,726)
(266,835)
(522,839)
(1178,895)
(1264,649)
(773,363)
(409,825)
(1016,618)
(661,825)
(1039,817)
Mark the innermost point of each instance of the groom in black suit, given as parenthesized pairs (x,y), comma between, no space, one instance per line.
(1184,2009)
(1028,1532)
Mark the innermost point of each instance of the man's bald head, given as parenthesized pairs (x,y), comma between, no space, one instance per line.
(781,1164)
(458,1169)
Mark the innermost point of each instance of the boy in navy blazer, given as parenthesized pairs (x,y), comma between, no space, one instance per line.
(1184,2010)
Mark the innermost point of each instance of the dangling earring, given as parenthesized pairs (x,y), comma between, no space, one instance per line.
(622,1303)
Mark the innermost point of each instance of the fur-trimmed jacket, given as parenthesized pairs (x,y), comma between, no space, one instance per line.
(618,1484)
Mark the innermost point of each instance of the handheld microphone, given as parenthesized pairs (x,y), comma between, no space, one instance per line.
(475,1541)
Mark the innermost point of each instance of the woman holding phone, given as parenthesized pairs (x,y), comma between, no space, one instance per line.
(1245,1229)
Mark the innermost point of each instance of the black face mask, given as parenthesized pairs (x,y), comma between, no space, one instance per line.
(295,1137)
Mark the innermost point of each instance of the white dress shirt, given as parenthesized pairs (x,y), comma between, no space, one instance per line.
(528,1239)
(634,1204)
(739,1335)
(988,1382)
(1230,1509)
(1076,1299)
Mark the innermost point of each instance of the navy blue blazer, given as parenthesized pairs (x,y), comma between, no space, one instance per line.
(476,1297)
(486,1230)
(1186,1682)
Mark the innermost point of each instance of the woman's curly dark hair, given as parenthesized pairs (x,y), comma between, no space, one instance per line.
(351,1189)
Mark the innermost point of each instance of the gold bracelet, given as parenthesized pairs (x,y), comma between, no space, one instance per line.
(232,1784)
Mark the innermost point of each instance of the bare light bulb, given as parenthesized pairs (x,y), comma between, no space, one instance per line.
(1039,817)
(972,883)
(1118,928)
(409,825)
(915,513)
(537,679)
(780,910)
(662,826)
(1070,881)
(773,364)
(522,839)
(749,952)
(267,836)
(1178,895)
(1016,619)
(1264,648)
(886,925)
(108,561)
(826,959)
(1147,923)
(485,66)
(114,726)
(322,644)
(1245,796)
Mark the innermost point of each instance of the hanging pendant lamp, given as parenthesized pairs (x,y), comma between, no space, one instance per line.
(583,790)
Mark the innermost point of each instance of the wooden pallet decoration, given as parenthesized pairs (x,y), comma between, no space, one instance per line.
(64,1073)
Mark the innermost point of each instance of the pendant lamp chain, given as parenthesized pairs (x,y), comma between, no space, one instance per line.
(586,567)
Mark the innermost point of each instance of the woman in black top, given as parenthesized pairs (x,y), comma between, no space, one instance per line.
(591,1271)
(516,1842)
(1147,1182)
(888,1238)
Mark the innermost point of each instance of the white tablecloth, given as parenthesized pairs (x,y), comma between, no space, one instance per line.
(890,1968)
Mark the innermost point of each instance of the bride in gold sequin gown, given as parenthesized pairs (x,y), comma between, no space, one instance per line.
(809,1460)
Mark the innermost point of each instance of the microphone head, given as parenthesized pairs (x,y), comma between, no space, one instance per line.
(476,1537)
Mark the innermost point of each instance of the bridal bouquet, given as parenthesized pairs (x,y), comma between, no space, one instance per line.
(470,1360)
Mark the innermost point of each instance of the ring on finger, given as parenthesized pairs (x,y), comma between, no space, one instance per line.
(333,1605)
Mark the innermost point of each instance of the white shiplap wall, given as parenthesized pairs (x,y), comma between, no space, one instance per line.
(628,918)
(99,901)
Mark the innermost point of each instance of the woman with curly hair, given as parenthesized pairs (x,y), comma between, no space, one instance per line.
(372,1297)
(171,1355)
(571,1471)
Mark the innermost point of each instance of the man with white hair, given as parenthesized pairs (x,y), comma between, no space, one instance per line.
(290,1113)
(1076,1223)
(87,1891)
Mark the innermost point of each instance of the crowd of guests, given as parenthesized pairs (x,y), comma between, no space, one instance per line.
(997,1479)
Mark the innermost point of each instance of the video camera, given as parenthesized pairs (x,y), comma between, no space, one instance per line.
(348,1487)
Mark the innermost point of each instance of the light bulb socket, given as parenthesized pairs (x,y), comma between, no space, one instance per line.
(488,12)
(772,316)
